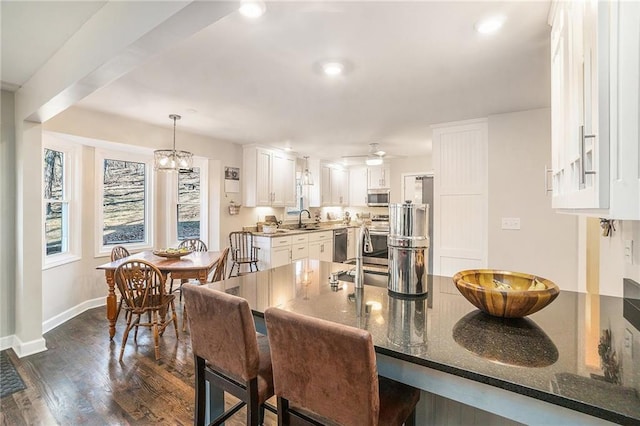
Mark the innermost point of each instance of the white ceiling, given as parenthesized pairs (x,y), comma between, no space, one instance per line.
(410,65)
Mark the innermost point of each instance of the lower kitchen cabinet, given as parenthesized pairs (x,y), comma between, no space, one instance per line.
(321,246)
(274,251)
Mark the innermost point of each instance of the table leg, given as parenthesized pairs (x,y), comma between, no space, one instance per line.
(112,303)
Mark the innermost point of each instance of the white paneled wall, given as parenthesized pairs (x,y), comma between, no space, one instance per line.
(460,196)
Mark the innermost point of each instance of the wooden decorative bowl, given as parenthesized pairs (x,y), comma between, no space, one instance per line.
(174,254)
(505,294)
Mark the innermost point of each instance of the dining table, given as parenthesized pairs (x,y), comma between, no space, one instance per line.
(195,265)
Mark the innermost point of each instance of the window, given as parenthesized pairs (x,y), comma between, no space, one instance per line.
(124,216)
(61,201)
(191,203)
(188,209)
(56,203)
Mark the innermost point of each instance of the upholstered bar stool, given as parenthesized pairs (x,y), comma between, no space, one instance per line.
(228,352)
(325,373)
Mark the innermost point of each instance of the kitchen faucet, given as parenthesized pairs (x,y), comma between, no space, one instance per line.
(300,217)
(365,245)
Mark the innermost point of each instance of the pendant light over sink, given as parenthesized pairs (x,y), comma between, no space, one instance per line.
(170,160)
(307,177)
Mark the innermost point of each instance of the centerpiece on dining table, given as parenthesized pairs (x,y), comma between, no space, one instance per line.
(173,253)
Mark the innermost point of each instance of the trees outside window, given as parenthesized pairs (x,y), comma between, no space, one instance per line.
(189,204)
(56,203)
(124,206)
(124,200)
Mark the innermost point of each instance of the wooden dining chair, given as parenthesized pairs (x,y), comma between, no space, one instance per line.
(193,244)
(117,253)
(228,353)
(143,290)
(325,373)
(243,252)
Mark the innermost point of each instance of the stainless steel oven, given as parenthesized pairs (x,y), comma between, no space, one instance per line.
(378,197)
(379,231)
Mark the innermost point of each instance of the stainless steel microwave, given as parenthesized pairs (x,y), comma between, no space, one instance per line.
(378,197)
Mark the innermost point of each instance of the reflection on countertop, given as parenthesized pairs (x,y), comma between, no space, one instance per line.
(445,332)
(510,341)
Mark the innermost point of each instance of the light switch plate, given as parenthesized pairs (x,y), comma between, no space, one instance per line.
(512,223)
(628,342)
(628,252)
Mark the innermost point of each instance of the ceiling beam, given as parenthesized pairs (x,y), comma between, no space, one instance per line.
(118,38)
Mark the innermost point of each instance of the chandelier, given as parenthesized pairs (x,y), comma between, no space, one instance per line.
(168,160)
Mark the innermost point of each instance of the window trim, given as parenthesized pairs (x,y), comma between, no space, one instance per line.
(149,208)
(72,191)
(172,219)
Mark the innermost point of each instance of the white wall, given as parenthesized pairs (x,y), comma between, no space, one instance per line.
(7,215)
(547,243)
(613,267)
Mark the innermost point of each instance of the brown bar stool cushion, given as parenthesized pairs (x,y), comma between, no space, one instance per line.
(330,370)
(223,334)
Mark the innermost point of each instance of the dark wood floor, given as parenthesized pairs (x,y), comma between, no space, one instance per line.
(79,380)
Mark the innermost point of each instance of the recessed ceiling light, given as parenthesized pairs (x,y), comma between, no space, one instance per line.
(332,68)
(252,8)
(490,25)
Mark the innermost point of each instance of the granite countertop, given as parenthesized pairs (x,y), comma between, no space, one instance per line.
(555,355)
(283,232)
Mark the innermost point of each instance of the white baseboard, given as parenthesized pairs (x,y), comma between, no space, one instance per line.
(6,342)
(65,316)
(23,349)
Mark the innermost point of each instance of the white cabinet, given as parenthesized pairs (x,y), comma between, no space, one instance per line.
(274,251)
(594,107)
(299,247)
(351,243)
(358,186)
(339,181)
(269,178)
(332,186)
(321,246)
(379,177)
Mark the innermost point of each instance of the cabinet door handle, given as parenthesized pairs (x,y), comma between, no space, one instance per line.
(547,171)
(583,171)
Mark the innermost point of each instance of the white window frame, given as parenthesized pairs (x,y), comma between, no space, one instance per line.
(72,190)
(149,208)
(172,221)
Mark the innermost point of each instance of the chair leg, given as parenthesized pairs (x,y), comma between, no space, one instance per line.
(253,411)
(156,337)
(125,335)
(200,391)
(261,414)
(283,412)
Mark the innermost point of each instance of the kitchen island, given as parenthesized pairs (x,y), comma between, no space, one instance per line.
(558,366)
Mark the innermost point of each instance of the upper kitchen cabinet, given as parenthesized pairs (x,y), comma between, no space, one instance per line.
(358,186)
(269,178)
(379,177)
(594,86)
(332,186)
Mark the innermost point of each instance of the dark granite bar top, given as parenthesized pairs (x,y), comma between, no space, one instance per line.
(573,353)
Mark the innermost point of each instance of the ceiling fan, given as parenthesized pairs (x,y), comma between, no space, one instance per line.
(373,158)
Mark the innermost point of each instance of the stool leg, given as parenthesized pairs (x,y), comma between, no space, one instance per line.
(200,391)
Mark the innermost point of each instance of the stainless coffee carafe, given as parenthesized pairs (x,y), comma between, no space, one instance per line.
(408,244)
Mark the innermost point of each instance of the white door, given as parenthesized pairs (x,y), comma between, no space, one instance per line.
(460,196)
(263,178)
(358,186)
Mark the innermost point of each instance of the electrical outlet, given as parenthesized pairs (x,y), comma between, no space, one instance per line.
(628,252)
(628,342)
(511,223)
